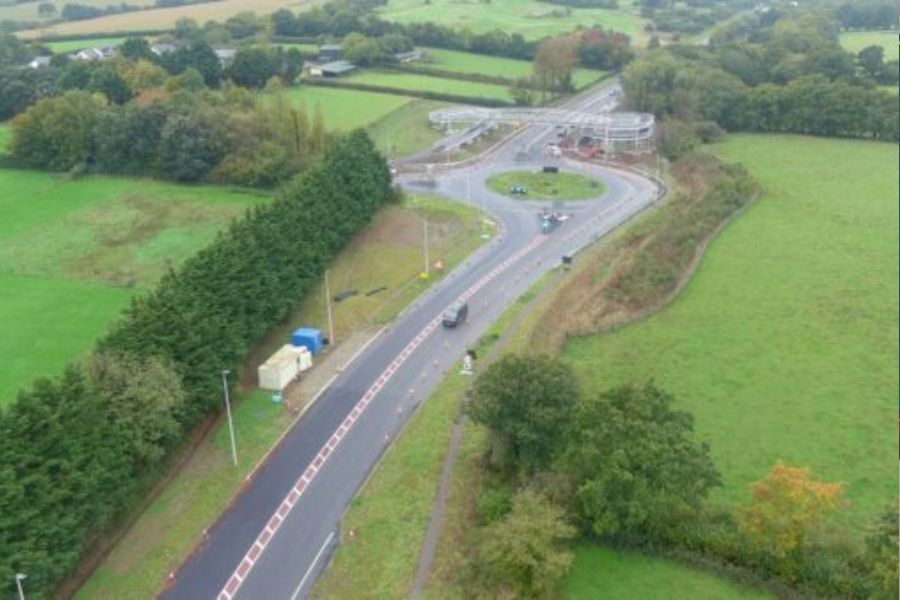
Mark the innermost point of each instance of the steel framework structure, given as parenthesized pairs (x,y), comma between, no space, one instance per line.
(611,131)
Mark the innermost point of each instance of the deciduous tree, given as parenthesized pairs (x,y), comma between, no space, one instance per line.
(527,403)
(786,506)
(524,553)
(634,463)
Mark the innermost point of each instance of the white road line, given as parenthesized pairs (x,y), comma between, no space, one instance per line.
(312,566)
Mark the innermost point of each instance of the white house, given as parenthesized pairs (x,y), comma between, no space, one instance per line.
(40,61)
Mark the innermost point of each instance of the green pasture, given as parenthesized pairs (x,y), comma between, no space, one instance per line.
(604,573)
(533,20)
(495,66)
(854,41)
(28,11)
(73,252)
(75,45)
(344,110)
(546,186)
(48,321)
(784,345)
(426,83)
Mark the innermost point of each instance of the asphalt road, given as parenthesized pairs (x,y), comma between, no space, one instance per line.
(275,539)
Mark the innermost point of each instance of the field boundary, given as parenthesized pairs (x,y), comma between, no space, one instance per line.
(424,94)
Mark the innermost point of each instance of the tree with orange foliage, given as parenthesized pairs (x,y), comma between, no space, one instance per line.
(786,505)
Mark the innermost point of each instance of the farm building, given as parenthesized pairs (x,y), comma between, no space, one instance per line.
(95,53)
(40,61)
(411,56)
(226,55)
(330,52)
(160,49)
(332,69)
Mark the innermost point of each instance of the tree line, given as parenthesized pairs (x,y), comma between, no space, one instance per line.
(80,449)
(136,70)
(790,76)
(338,19)
(187,136)
(623,467)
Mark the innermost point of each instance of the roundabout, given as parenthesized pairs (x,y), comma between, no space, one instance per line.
(538,185)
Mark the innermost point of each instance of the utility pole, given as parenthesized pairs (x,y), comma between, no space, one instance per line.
(425,244)
(19,578)
(330,312)
(228,412)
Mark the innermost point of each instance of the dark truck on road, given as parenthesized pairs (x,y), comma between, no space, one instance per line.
(455,315)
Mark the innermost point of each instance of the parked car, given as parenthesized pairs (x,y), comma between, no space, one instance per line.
(455,315)
(518,189)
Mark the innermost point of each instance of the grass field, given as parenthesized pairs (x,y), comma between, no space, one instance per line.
(407,130)
(386,253)
(414,82)
(494,66)
(165,18)
(346,109)
(28,11)
(75,45)
(532,19)
(784,344)
(73,252)
(546,186)
(854,41)
(603,573)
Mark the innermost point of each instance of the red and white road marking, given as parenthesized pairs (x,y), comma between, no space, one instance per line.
(294,495)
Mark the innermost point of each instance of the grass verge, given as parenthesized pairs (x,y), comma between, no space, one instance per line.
(406,130)
(546,186)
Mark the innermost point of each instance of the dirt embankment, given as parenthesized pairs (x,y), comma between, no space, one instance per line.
(641,269)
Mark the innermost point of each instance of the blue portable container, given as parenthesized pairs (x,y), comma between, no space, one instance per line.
(309,337)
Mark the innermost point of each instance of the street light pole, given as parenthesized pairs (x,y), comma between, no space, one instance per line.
(330,311)
(228,412)
(425,244)
(19,578)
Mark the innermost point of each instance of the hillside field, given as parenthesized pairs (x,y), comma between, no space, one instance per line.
(854,41)
(495,66)
(415,82)
(28,11)
(784,344)
(72,253)
(76,45)
(164,18)
(533,20)
(603,573)
(343,109)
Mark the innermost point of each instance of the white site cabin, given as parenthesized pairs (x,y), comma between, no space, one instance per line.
(283,367)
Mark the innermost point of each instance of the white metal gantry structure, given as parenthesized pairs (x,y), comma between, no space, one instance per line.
(609,130)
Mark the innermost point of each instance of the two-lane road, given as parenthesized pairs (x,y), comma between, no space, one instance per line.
(276,537)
